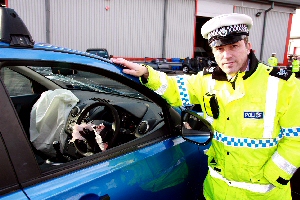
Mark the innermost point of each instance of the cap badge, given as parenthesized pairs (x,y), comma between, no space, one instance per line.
(223,32)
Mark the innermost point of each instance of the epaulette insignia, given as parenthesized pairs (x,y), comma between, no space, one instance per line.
(281,73)
(208,70)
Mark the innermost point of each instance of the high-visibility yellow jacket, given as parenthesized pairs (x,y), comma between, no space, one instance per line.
(295,65)
(273,61)
(256,145)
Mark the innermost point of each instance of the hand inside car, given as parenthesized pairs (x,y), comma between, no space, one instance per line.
(132,68)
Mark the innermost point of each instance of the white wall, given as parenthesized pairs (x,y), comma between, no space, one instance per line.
(295,30)
(294,44)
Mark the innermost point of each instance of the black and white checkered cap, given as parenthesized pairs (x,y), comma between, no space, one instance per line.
(227,30)
(226,24)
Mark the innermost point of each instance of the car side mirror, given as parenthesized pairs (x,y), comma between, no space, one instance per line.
(196,129)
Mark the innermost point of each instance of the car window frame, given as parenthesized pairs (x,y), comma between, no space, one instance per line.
(23,152)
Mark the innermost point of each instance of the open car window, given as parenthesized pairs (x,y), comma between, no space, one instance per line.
(70,115)
(15,83)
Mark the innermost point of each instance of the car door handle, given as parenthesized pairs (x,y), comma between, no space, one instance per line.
(92,196)
(104,197)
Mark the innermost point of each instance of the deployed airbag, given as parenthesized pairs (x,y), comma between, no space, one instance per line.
(48,118)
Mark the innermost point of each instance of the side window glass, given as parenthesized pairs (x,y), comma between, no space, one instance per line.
(15,83)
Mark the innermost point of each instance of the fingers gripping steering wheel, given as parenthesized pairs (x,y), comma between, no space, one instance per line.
(109,134)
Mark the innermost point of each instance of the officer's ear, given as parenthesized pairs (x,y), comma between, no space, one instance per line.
(248,47)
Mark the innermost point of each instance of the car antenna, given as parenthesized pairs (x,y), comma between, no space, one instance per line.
(13,30)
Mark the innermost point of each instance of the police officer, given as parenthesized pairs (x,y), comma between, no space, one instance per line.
(295,66)
(273,61)
(256,145)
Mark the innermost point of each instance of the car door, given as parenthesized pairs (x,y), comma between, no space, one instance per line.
(157,165)
(9,185)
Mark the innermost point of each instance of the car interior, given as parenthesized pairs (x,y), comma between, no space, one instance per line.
(126,114)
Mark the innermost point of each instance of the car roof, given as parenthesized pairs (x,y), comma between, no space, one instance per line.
(48,52)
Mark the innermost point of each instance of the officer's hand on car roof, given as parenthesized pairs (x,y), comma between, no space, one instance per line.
(132,68)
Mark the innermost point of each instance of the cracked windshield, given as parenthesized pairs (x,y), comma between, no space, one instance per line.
(81,80)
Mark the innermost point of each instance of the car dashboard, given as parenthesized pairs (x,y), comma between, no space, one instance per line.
(132,114)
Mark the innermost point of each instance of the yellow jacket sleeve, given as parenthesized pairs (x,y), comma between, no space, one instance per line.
(171,88)
(285,161)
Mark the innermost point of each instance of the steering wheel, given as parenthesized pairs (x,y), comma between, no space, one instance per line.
(108,134)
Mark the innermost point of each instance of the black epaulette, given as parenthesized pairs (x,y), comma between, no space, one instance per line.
(208,70)
(281,73)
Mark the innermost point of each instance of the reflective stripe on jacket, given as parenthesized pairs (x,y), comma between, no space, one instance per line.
(260,188)
(257,138)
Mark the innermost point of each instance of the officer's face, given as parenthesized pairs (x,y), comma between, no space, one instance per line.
(232,58)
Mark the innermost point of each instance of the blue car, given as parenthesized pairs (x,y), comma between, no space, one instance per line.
(73,126)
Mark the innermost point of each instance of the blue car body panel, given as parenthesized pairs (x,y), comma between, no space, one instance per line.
(15,195)
(161,169)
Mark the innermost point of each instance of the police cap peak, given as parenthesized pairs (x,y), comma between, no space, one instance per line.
(226,26)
